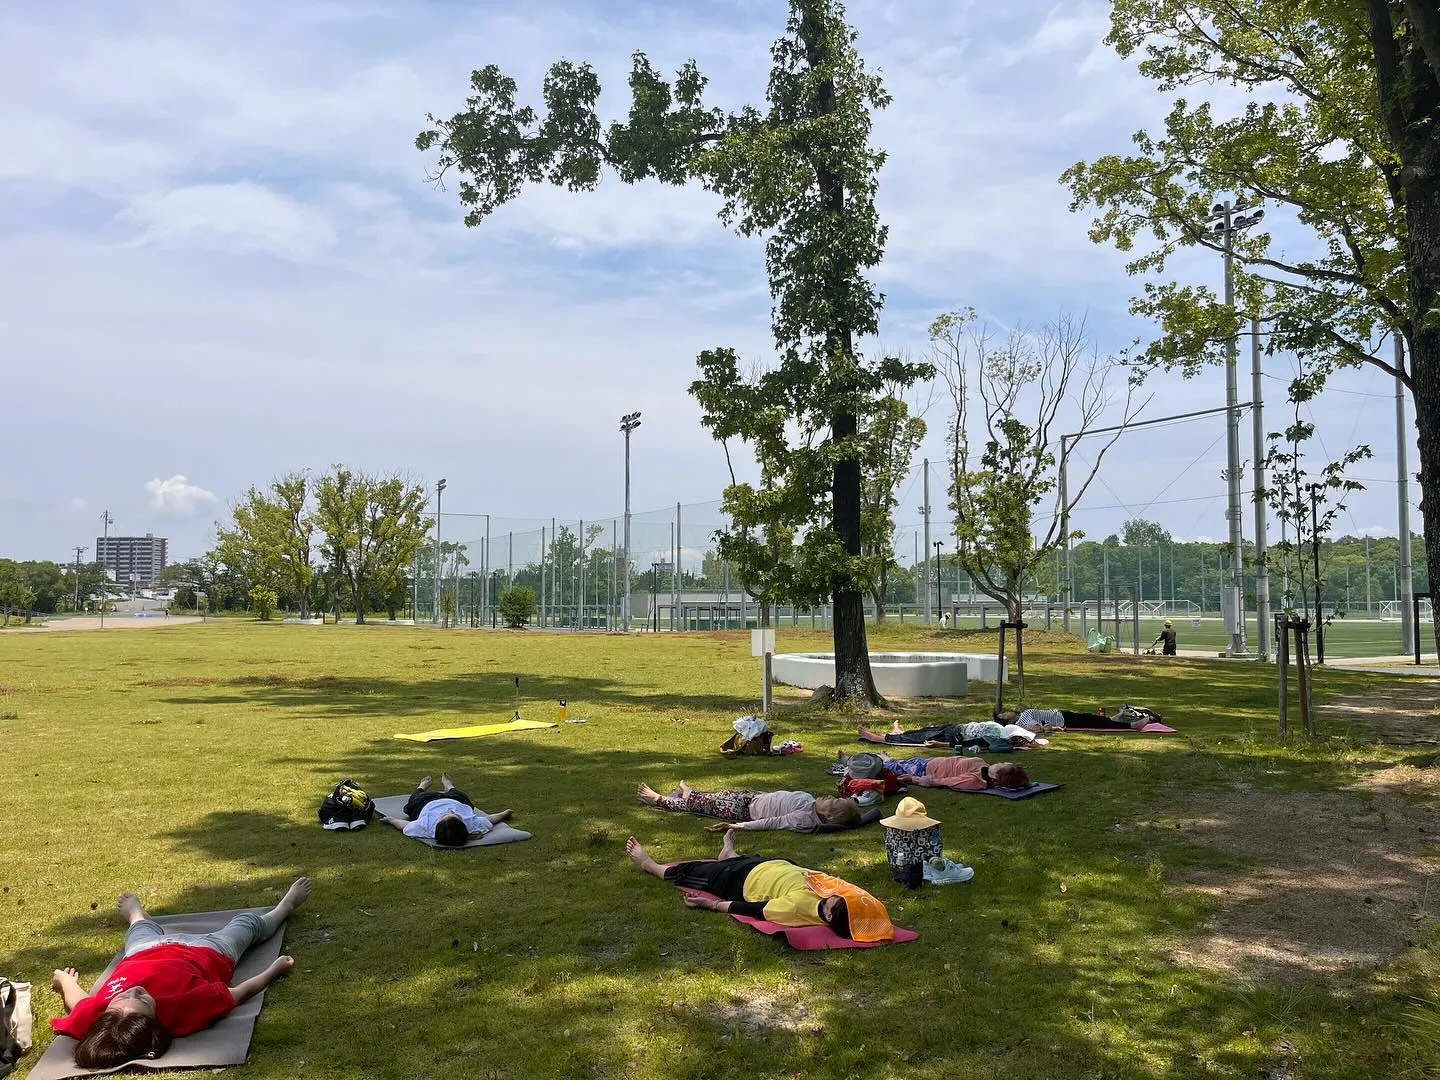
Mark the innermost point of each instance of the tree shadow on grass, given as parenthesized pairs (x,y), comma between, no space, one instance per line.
(554,957)
(480,692)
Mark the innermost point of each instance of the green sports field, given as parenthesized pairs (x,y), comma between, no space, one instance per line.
(187,763)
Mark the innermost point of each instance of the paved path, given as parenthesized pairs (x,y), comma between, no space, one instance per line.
(112,622)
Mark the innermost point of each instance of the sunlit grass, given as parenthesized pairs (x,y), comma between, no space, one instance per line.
(188,763)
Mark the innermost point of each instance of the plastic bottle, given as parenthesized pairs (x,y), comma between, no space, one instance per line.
(560,712)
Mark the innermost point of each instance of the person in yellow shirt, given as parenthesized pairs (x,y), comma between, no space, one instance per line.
(775,890)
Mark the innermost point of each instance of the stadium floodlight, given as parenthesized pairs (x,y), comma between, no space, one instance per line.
(628,423)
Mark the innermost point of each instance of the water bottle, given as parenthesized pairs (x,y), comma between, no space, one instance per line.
(560,712)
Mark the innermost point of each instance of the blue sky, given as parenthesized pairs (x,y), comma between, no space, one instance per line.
(219,259)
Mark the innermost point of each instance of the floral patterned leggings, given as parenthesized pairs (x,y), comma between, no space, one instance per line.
(729,804)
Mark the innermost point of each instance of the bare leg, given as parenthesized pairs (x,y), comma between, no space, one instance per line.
(129,905)
(446,784)
(641,858)
(727,845)
(296,895)
(866,735)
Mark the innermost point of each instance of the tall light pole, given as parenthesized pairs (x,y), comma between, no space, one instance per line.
(628,423)
(1226,219)
(107,520)
(938,545)
(1404,571)
(1262,554)
(435,616)
(79,550)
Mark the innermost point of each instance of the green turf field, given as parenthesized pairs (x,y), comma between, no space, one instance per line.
(1353,636)
(187,763)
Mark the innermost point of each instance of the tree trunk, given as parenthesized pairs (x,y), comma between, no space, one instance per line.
(359,587)
(764,614)
(853,680)
(1422,213)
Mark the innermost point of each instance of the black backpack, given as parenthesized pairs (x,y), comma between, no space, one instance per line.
(10,1046)
(346,807)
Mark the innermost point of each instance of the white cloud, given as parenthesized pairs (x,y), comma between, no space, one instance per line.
(238,218)
(177,495)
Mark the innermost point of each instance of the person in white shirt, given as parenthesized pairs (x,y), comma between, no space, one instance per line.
(447,816)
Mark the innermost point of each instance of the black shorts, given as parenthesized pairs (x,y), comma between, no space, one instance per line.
(724,878)
(421,799)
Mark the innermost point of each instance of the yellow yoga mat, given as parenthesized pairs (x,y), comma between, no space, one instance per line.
(474,732)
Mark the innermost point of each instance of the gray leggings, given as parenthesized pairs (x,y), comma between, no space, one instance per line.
(232,939)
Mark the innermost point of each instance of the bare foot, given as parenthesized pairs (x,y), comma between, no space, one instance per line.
(499,816)
(647,795)
(641,858)
(294,896)
(684,789)
(129,905)
(727,846)
(446,784)
(895,728)
(424,783)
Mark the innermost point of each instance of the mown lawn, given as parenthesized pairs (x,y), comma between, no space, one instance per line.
(187,763)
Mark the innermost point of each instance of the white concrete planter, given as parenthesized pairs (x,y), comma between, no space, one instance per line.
(303,622)
(940,674)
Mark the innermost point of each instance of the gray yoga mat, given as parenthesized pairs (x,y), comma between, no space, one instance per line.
(394,806)
(223,1043)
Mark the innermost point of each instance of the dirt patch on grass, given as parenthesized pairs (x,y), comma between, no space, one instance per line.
(1401,715)
(1334,881)
(181,680)
(758,1012)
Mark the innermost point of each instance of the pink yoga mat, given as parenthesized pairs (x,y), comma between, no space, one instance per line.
(1148,729)
(808,938)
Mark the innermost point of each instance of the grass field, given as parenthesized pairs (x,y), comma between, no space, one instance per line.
(1353,636)
(187,763)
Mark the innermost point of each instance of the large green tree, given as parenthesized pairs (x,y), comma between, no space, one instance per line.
(373,526)
(270,539)
(801,172)
(1341,132)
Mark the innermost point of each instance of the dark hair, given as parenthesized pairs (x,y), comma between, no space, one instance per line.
(118,1037)
(839,920)
(1009,774)
(451,832)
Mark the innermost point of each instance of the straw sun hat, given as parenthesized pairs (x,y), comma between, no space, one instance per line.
(909,815)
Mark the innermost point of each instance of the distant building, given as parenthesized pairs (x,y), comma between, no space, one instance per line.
(134,562)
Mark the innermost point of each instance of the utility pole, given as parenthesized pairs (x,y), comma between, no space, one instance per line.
(1226,219)
(104,566)
(1315,555)
(929,615)
(1262,556)
(1408,629)
(938,545)
(628,423)
(435,618)
(79,550)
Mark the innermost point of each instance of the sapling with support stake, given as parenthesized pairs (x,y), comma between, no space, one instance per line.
(1303,502)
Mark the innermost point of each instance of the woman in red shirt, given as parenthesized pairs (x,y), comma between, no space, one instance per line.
(167,984)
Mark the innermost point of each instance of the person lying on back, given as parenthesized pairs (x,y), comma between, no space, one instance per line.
(957,773)
(739,808)
(446,816)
